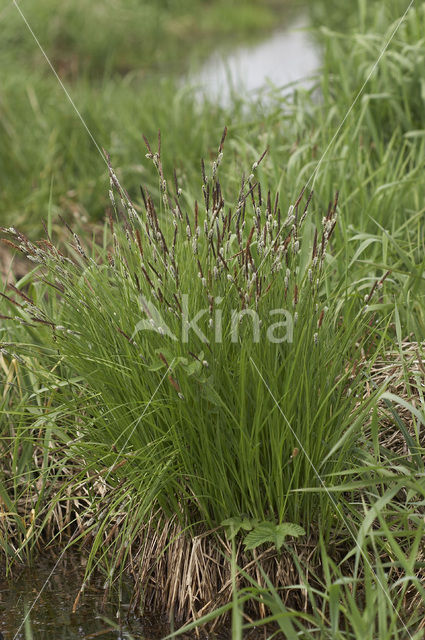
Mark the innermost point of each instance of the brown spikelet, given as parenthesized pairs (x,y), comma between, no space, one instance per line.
(142,192)
(20,293)
(315,244)
(15,302)
(174,383)
(200,268)
(287,241)
(384,277)
(163,359)
(248,244)
(300,197)
(146,141)
(177,303)
(57,286)
(336,201)
(263,155)
(139,242)
(158,275)
(148,280)
(309,199)
(204,175)
(11,244)
(46,322)
(223,138)
(125,335)
(46,231)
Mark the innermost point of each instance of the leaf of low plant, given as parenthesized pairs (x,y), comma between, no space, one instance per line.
(270,532)
(235,524)
(287,529)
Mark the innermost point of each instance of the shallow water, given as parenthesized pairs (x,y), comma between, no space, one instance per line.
(51,617)
(287,56)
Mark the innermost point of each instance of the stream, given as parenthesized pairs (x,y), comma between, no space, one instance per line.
(289,56)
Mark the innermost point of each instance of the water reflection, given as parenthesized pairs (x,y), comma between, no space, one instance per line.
(288,56)
(51,617)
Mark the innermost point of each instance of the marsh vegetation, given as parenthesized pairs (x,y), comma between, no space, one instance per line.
(259,483)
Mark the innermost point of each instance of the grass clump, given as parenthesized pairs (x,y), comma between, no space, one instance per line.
(213,356)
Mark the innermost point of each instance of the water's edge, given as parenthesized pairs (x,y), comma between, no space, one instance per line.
(288,56)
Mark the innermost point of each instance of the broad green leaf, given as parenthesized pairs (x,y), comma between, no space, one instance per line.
(272,533)
(234,525)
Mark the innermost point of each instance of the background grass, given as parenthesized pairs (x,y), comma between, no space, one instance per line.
(122,64)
